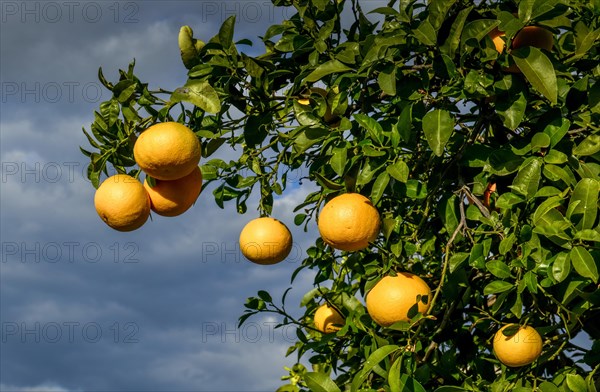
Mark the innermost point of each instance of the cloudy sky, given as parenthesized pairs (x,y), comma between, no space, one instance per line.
(83,307)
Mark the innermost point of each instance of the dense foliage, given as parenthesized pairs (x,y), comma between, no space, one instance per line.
(487,181)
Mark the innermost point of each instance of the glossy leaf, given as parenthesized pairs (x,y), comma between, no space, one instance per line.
(583,206)
(320,382)
(377,356)
(588,146)
(538,69)
(584,263)
(199,93)
(527,181)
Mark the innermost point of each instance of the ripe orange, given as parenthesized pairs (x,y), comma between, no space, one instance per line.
(122,202)
(265,241)
(535,36)
(349,222)
(520,349)
(390,300)
(328,319)
(172,198)
(167,151)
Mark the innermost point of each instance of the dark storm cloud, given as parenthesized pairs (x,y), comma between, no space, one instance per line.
(83,307)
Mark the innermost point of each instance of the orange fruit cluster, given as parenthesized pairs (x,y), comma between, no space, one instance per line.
(168,152)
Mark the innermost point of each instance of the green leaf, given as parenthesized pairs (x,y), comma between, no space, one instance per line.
(110,111)
(394,375)
(377,356)
(538,70)
(332,66)
(539,140)
(584,263)
(476,31)
(561,267)
(507,244)
(547,386)
(497,286)
(450,389)
(399,171)
(373,127)
(584,38)
(576,383)
(531,281)
(387,80)
(308,138)
(320,382)
(306,298)
(508,200)
(517,307)
(438,11)
(559,173)
(511,109)
(256,129)
(456,260)
(527,181)
(555,157)
(187,47)
(405,383)
(226,32)
(451,44)
(379,186)
(547,212)
(587,235)
(498,268)
(438,126)
(583,214)
(415,189)
(404,126)
(588,146)
(557,128)
(265,296)
(299,219)
(425,33)
(327,183)
(199,93)
(338,160)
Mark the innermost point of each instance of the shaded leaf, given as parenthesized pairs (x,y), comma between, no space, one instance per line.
(497,286)
(373,360)
(438,126)
(399,171)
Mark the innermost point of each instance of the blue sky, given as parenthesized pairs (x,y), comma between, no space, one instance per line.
(83,307)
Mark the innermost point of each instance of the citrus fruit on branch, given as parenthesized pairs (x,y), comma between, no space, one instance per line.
(520,348)
(122,202)
(349,222)
(533,36)
(394,298)
(167,151)
(174,197)
(265,241)
(328,319)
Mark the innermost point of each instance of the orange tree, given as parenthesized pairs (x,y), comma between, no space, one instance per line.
(483,164)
